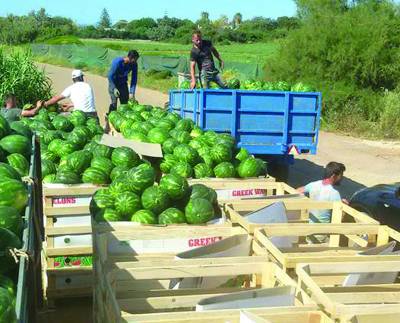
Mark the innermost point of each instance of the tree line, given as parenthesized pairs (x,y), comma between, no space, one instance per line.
(39,26)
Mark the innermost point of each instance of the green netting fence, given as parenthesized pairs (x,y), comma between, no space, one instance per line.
(95,56)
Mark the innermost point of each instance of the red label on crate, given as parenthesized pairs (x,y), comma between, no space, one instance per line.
(250,192)
(64,200)
(201,242)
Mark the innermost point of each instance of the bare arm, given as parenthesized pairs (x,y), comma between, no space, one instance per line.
(32,112)
(192,74)
(53,100)
(216,54)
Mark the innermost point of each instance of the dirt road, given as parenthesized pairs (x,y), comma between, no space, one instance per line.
(367,162)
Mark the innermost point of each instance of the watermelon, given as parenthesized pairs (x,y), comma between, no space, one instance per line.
(187,154)
(183,137)
(169,145)
(124,156)
(155,199)
(242,154)
(6,171)
(7,284)
(19,163)
(67,177)
(199,211)
(210,137)
(171,216)
(221,153)
(95,176)
(102,151)
(202,170)
(48,155)
(19,128)
(48,167)
(136,136)
(144,217)
(168,162)
(7,306)
(77,118)
(65,148)
(183,169)
(50,178)
(103,199)
(78,160)
(173,117)
(95,129)
(13,193)
(4,127)
(16,144)
(103,164)
(224,170)
(108,215)
(116,120)
(127,203)
(196,132)
(11,219)
(158,135)
(185,124)
(118,186)
(174,185)
(166,124)
(141,177)
(249,168)
(117,171)
(202,191)
(78,137)
(62,123)
(8,240)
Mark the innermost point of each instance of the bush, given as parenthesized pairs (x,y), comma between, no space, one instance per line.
(19,75)
(390,118)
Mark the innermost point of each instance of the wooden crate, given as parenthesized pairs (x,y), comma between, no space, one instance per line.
(353,239)
(324,283)
(143,286)
(257,315)
(297,211)
(68,233)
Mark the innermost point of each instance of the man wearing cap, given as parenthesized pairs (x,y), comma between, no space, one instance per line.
(118,79)
(80,93)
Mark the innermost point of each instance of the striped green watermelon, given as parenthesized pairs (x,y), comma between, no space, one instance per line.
(224,170)
(144,217)
(140,177)
(62,123)
(202,170)
(11,219)
(102,151)
(50,178)
(127,203)
(168,162)
(183,169)
(102,163)
(78,160)
(77,118)
(13,193)
(124,156)
(199,211)
(48,167)
(117,171)
(108,215)
(158,135)
(6,171)
(16,144)
(8,240)
(48,155)
(66,148)
(171,216)
(169,145)
(118,186)
(174,185)
(221,153)
(155,199)
(67,177)
(103,199)
(19,163)
(4,127)
(95,176)
(18,127)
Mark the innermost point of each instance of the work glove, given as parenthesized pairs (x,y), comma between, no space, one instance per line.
(132,96)
(116,93)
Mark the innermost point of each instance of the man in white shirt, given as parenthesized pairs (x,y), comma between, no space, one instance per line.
(324,190)
(80,93)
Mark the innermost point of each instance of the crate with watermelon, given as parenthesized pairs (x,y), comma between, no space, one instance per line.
(19,241)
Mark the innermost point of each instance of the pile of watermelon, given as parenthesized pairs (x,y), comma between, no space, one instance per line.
(15,151)
(70,148)
(137,195)
(188,150)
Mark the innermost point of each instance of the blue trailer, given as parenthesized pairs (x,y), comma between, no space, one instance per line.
(271,124)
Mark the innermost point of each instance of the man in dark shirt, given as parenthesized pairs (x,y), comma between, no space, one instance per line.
(118,78)
(202,55)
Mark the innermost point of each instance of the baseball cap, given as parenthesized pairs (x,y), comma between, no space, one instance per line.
(76,73)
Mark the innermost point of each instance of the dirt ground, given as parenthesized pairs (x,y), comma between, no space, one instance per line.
(367,162)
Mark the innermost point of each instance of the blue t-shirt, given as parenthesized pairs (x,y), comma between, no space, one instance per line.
(320,191)
(119,71)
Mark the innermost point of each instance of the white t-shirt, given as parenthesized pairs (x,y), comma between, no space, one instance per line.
(81,95)
(320,191)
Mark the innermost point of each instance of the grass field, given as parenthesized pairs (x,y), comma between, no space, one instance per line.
(243,53)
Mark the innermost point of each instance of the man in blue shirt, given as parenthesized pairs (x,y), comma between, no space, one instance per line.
(118,79)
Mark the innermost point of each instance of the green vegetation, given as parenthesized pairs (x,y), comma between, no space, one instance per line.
(20,76)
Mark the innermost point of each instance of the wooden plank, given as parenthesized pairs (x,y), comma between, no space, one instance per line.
(71,210)
(69,251)
(69,190)
(68,230)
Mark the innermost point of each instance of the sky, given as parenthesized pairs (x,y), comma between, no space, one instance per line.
(88,11)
